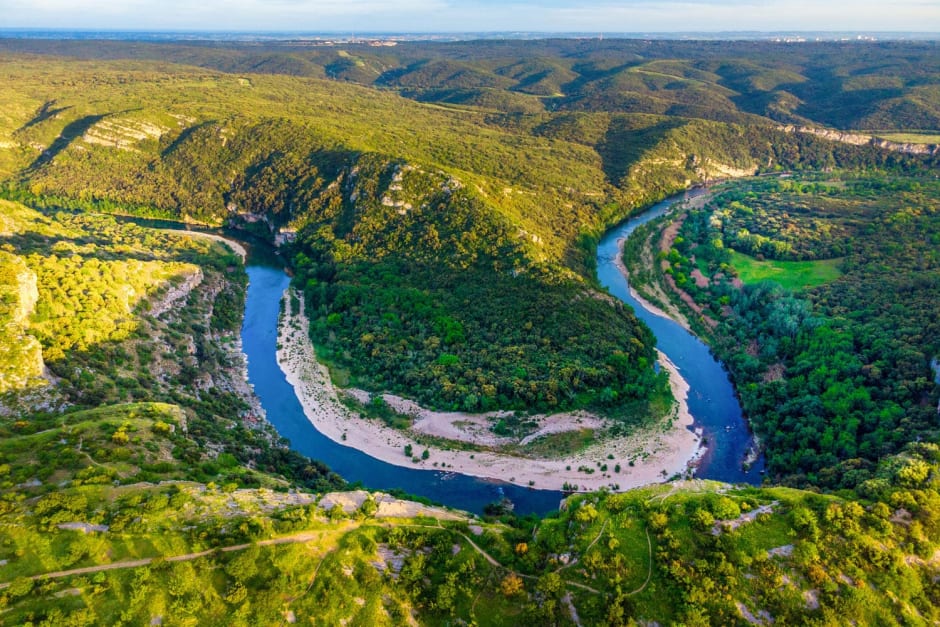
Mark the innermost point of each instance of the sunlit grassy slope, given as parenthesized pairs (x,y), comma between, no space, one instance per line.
(793,275)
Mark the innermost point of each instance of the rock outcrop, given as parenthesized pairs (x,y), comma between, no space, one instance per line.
(859,139)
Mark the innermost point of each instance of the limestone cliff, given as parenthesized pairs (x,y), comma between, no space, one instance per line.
(859,139)
(23,353)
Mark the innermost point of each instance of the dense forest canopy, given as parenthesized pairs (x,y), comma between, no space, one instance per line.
(848,85)
(821,294)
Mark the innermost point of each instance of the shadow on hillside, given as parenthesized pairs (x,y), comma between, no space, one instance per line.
(45,112)
(626,141)
(181,139)
(68,134)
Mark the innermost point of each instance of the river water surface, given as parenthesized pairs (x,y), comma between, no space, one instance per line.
(711,398)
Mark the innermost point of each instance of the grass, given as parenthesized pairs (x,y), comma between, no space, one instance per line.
(556,445)
(793,275)
(911,137)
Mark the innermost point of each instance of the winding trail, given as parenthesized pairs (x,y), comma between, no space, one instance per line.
(304,536)
(489,558)
(598,536)
(588,548)
(234,245)
(649,571)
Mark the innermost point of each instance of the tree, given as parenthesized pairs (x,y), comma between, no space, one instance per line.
(511,585)
(702,519)
(587,513)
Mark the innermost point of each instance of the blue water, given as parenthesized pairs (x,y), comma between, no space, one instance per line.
(712,401)
(711,398)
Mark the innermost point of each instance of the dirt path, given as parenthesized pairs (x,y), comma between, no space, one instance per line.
(305,536)
(489,558)
(649,571)
(598,536)
(588,548)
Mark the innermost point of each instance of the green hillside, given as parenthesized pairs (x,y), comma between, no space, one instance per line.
(695,553)
(112,319)
(851,85)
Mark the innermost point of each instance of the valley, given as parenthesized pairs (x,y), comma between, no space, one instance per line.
(459,274)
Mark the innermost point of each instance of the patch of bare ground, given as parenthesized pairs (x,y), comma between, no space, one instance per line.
(670,233)
(686,298)
(781,551)
(762,617)
(478,428)
(730,525)
(700,279)
(572,610)
(774,372)
(387,506)
(811,598)
(666,242)
(174,296)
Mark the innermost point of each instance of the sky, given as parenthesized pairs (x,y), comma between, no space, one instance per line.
(628,16)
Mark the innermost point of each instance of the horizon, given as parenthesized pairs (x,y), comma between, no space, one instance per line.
(477,16)
(822,36)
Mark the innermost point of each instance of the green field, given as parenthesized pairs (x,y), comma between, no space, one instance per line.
(932,137)
(793,275)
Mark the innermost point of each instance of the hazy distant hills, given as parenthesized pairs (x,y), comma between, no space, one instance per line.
(848,85)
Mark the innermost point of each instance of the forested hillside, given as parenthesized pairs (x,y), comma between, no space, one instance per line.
(851,85)
(150,493)
(471,231)
(131,321)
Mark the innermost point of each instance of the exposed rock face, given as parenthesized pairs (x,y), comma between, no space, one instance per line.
(18,296)
(859,139)
(122,133)
(177,294)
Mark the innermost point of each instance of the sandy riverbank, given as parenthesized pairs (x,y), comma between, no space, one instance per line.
(657,453)
(673,314)
(676,316)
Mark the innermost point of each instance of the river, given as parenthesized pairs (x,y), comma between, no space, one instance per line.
(712,401)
